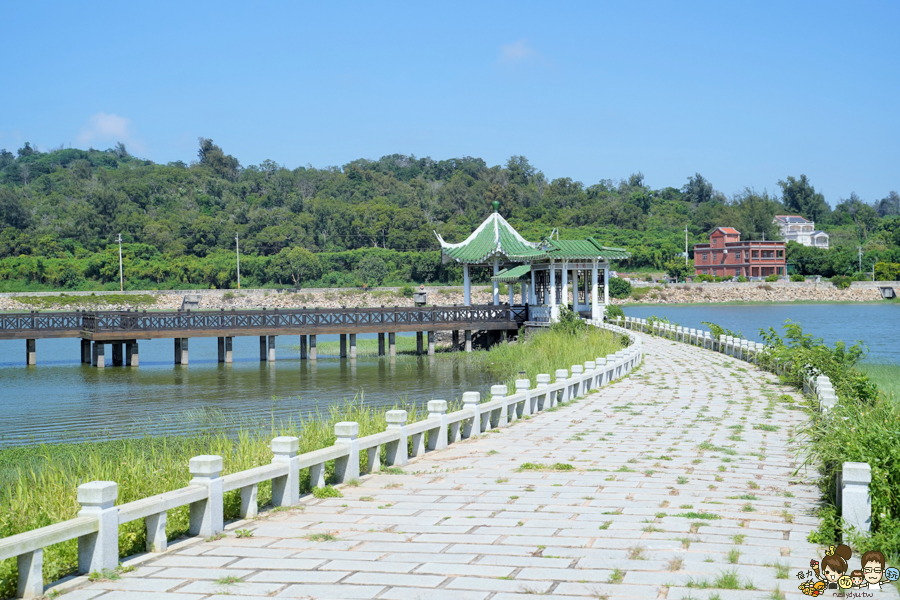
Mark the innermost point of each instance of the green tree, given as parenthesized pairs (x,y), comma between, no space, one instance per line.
(677,269)
(798,195)
(372,270)
(295,264)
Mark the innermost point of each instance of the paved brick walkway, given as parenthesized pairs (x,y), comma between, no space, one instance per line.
(675,482)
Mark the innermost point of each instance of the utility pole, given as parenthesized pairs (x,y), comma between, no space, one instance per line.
(860,258)
(238,252)
(121,279)
(685,246)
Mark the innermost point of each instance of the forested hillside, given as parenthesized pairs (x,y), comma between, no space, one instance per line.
(365,222)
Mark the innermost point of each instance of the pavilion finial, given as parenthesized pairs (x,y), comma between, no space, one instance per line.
(496,205)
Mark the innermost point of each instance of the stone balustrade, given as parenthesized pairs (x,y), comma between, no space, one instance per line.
(97,526)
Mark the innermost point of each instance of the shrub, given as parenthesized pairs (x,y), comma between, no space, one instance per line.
(704,278)
(772,278)
(841,282)
(569,322)
(613,311)
(407,291)
(797,277)
(742,279)
(619,288)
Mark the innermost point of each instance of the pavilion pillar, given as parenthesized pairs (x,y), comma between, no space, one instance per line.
(575,306)
(554,311)
(595,308)
(467,286)
(533,290)
(564,301)
(512,292)
(606,285)
(524,293)
(496,285)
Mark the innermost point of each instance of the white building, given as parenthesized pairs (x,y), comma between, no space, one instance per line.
(795,228)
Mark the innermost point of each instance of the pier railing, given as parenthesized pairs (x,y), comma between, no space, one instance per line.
(126,323)
(97,526)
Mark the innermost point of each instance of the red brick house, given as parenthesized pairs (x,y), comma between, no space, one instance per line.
(726,255)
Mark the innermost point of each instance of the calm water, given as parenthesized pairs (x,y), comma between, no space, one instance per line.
(60,398)
(876,325)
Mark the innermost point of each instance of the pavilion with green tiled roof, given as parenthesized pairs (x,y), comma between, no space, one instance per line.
(535,266)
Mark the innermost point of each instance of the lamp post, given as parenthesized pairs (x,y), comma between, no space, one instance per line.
(238,252)
(121,278)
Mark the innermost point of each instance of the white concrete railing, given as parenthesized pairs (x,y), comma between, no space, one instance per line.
(852,493)
(97,526)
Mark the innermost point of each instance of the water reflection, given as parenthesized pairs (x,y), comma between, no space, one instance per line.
(61,398)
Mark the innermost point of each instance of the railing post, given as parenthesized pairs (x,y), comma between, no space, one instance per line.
(856,504)
(207,515)
(562,396)
(470,402)
(437,438)
(286,489)
(396,452)
(31,576)
(156,532)
(346,468)
(543,396)
(499,416)
(600,370)
(522,387)
(99,551)
(577,380)
(590,368)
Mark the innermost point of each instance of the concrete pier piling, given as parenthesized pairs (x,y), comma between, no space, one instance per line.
(353,346)
(30,352)
(392,345)
(468,335)
(98,358)
(118,358)
(177,351)
(312,347)
(132,356)
(430,343)
(302,347)
(263,349)
(418,343)
(86,352)
(271,347)
(380,344)
(343,345)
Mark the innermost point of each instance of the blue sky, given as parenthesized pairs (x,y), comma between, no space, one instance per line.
(743,93)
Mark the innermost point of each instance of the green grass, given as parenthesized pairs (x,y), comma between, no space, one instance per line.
(886,377)
(47,476)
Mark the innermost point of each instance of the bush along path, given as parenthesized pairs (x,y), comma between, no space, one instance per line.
(675,482)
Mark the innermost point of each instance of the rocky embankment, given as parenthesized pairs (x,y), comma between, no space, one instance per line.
(243,299)
(748,292)
(257,299)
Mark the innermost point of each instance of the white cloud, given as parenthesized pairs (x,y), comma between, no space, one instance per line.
(516,52)
(108,128)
